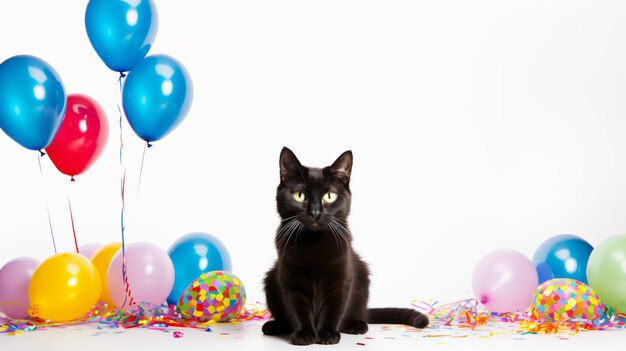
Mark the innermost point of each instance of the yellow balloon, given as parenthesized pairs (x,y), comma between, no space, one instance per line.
(101,259)
(63,288)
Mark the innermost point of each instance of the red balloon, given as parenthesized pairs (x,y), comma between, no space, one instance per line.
(81,137)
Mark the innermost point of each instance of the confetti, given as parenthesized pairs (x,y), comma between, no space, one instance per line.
(458,319)
(143,316)
(466,314)
(178,334)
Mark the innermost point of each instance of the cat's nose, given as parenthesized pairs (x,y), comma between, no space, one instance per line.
(315,214)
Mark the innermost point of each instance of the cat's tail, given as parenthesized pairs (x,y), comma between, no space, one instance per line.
(397,316)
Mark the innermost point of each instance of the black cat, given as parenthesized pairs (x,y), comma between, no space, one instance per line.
(319,286)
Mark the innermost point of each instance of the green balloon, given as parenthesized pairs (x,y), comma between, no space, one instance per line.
(606,271)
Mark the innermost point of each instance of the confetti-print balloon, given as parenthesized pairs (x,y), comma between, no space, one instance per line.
(566,299)
(216,295)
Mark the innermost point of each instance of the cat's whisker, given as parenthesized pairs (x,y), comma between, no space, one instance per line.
(330,227)
(288,218)
(284,230)
(300,230)
(340,220)
(344,232)
(290,229)
(283,234)
(340,230)
(343,226)
(280,235)
(286,233)
(337,235)
(341,239)
(284,244)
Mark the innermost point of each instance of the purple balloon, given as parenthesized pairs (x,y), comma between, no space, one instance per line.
(14,279)
(504,281)
(149,274)
(88,250)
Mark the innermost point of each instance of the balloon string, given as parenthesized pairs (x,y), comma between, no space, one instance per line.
(54,244)
(124,275)
(143,158)
(72,219)
(123,180)
(128,296)
(122,191)
(123,220)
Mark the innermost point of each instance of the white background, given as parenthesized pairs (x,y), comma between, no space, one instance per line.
(475,125)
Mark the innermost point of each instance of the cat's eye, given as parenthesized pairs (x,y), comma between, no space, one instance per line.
(299,196)
(330,197)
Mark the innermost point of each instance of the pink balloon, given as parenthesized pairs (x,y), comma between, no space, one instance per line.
(14,279)
(88,250)
(149,276)
(504,281)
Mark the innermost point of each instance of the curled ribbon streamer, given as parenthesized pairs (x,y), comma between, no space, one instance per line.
(122,191)
(467,314)
(145,315)
(128,299)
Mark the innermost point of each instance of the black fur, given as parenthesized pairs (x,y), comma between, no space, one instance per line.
(319,286)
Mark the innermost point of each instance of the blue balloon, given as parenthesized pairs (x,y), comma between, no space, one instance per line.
(563,256)
(121,31)
(192,255)
(156,96)
(32,101)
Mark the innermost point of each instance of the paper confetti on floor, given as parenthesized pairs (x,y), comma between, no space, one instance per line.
(144,316)
(467,318)
(460,319)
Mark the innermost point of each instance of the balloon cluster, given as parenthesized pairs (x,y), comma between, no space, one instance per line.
(73,129)
(157,93)
(36,113)
(567,280)
(194,275)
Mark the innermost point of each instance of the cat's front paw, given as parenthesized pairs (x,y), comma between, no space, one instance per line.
(328,337)
(276,327)
(354,327)
(303,337)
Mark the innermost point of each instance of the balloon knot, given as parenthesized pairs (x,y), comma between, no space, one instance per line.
(149,145)
(42,153)
(484,300)
(33,311)
(72,179)
(122,74)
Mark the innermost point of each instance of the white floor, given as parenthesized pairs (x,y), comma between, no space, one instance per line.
(247,336)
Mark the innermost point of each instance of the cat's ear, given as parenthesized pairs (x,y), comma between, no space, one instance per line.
(289,164)
(342,167)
